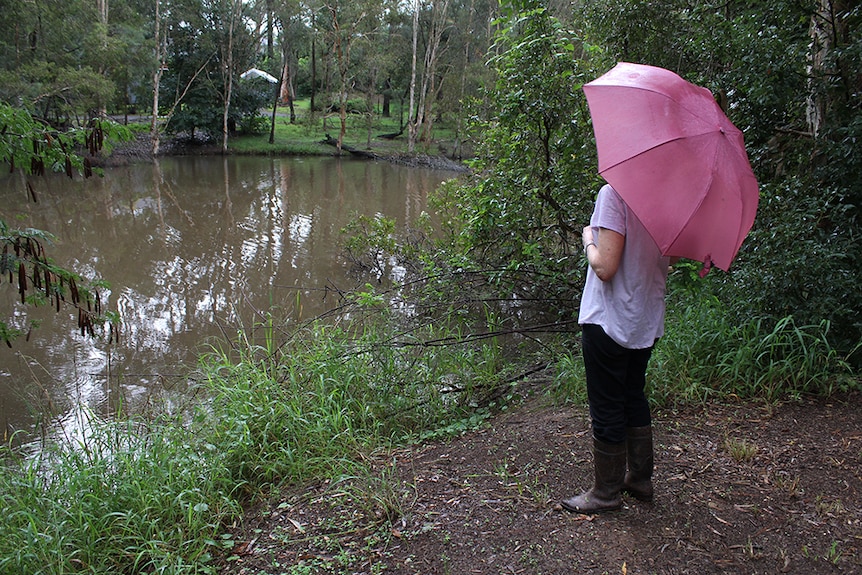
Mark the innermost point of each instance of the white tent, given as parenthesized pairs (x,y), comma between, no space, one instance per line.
(255,73)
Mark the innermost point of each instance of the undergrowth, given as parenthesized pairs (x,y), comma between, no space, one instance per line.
(151,495)
(707,355)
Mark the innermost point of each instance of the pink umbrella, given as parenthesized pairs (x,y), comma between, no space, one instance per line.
(667,148)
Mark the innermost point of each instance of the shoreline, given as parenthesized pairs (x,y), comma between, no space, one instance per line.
(139,150)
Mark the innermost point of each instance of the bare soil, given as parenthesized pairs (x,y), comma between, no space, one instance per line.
(740,488)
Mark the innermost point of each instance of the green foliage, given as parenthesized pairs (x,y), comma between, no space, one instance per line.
(802,257)
(203,111)
(125,498)
(707,353)
(151,495)
(532,190)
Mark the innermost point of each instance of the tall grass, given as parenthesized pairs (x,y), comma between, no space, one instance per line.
(122,500)
(150,496)
(708,353)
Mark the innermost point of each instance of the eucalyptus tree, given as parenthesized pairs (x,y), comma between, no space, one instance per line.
(286,18)
(467,75)
(438,23)
(513,218)
(342,25)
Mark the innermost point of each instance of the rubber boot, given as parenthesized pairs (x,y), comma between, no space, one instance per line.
(609,461)
(639,451)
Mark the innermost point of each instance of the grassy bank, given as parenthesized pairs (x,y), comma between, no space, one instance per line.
(307,132)
(150,495)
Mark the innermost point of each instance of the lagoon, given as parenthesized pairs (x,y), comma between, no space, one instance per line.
(193,249)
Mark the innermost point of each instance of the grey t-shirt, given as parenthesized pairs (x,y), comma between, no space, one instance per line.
(631,306)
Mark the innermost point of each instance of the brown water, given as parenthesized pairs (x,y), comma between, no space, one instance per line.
(192,248)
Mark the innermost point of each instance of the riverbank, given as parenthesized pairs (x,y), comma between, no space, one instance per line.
(140,149)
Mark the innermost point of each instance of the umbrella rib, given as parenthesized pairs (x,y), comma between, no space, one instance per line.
(642,152)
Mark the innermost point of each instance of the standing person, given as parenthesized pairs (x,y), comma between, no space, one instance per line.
(622,316)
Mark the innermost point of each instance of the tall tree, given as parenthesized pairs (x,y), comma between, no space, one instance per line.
(431,83)
(344,23)
(412,127)
(234,22)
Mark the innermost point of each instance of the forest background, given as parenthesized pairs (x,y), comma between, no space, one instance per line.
(503,78)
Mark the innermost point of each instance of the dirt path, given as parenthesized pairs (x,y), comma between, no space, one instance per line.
(739,489)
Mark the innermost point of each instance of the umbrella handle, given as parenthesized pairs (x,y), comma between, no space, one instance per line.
(707,265)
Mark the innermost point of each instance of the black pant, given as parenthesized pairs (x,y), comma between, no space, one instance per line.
(616,377)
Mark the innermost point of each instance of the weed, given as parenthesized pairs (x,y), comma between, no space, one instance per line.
(741,450)
(382,495)
(826,507)
(789,484)
(833,554)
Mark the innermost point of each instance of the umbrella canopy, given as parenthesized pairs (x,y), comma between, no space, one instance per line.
(255,73)
(667,148)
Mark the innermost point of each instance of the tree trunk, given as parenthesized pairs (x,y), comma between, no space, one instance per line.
(275,99)
(828,31)
(411,123)
(228,80)
(269,38)
(428,91)
(313,69)
(157,76)
(387,98)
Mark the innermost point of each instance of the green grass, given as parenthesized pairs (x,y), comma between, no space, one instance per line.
(151,496)
(304,136)
(707,353)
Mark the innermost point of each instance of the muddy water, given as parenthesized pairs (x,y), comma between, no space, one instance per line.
(192,248)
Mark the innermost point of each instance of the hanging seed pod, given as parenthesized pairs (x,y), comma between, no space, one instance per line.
(37,277)
(68,166)
(11,164)
(22,280)
(88,168)
(73,291)
(47,283)
(32,193)
(98,304)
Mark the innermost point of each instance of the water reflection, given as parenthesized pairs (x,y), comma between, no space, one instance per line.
(191,247)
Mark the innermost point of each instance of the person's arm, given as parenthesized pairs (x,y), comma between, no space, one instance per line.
(604,252)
